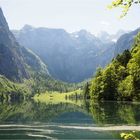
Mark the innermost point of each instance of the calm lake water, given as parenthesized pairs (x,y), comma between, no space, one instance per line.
(69,120)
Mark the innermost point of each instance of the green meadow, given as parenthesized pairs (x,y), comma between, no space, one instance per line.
(55,97)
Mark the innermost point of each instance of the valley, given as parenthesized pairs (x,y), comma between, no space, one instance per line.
(56,84)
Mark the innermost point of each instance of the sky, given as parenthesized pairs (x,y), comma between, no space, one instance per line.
(71,15)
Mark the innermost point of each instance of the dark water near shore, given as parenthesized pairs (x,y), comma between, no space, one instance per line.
(36,120)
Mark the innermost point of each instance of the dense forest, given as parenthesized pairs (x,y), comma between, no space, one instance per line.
(120,80)
(39,83)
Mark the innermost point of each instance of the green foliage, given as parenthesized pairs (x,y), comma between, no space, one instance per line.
(120,80)
(125,88)
(30,112)
(123,59)
(129,136)
(86,91)
(39,83)
(57,97)
(124,4)
(14,91)
(44,83)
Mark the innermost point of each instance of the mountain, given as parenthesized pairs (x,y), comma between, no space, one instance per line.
(11,62)
(120,80)
(22,72)
(105,37)
(70,57)
(125,42)
(16,62)
(119,34)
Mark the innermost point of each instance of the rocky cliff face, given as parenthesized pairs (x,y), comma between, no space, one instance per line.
(15,61)
(70,57)
(76,56)
(125,42)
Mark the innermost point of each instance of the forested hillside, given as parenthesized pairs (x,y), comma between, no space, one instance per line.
(120,80)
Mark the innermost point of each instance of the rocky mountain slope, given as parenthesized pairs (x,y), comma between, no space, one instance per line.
(70,57)
(16,62)
(125,42)
(19,67)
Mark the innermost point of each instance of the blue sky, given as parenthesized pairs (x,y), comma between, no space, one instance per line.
(71,15)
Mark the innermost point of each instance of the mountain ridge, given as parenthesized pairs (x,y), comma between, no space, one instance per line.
(74,54)
(125,41)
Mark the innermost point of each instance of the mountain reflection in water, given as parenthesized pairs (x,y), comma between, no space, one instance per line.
(85,120)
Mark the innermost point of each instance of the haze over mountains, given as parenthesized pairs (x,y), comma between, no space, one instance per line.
(71,57)
(22,72)
(106,37)
(125,41)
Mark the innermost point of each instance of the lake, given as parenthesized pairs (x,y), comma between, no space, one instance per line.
(67,120)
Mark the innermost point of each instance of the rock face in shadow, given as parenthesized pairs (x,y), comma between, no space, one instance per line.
(125,42)
(16,62)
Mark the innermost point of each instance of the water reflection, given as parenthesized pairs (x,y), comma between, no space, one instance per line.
(116,113)
(68,120)
(29,111)
(100,113)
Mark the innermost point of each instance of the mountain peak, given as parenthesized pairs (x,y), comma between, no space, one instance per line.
(15,59)
(3,23)
(83,31)
(27,27)
(84,34)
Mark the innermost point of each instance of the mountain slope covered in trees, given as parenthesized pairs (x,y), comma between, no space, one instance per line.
(21,70)
(120,80)
(17,64)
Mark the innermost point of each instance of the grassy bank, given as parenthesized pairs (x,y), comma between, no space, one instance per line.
(57,97)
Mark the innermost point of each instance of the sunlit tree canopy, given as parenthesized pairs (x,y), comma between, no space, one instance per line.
(124,4)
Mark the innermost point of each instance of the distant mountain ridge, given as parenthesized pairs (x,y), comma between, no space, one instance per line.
(70,57)
(105,37)
(74,57)
(125,42)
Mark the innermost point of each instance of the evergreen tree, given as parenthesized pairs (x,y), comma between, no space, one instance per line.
(120,80)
